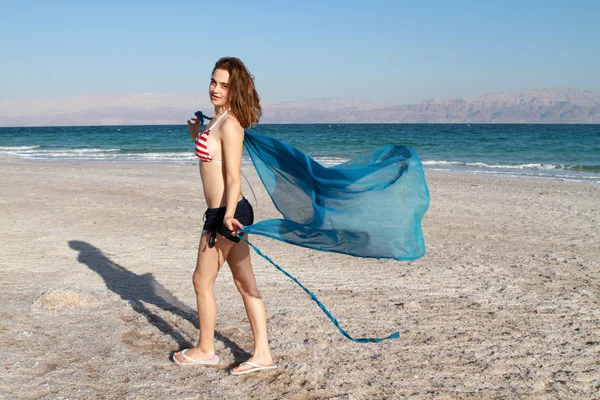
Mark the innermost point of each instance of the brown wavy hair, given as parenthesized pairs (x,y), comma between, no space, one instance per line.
(243,97)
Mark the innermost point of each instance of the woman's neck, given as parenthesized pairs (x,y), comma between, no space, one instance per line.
(221,109)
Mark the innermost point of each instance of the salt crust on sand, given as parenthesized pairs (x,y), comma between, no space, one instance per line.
(58,300)
(95,274)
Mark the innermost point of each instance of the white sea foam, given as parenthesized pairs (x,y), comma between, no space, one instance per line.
(329,161)
(529,170)
(17,148)
(433,162)
(110,154)
(532,166)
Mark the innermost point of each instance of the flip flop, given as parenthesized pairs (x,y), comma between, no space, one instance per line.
(191,361)
(255,367)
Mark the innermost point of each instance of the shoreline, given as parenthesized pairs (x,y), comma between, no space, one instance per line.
(248,163)
(96,268)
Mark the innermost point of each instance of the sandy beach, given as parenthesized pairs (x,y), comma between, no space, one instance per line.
(96,263)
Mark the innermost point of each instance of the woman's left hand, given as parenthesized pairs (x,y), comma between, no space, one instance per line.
(232,224)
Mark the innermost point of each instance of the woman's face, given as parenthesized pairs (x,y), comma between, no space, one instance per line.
(219,88)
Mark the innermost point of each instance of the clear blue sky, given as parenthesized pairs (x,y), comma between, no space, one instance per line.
(392,52)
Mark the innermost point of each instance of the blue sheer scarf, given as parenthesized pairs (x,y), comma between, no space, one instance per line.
(370,206)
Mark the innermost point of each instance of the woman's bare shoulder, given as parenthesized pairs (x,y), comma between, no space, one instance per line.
(231,127)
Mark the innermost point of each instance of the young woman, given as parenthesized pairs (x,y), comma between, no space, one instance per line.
(219,148)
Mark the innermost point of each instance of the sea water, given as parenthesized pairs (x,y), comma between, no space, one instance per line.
(569,152)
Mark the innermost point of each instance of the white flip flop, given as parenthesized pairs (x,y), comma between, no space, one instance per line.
(191,361)
(255,367)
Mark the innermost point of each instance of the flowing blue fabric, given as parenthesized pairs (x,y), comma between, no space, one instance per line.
(370,206)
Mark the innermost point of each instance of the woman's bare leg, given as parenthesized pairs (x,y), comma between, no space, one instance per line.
(243,276)
(208,264)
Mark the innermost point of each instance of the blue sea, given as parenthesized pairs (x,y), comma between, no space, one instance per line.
(567,152)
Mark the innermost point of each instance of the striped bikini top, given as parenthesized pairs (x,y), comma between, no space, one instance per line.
(202,147)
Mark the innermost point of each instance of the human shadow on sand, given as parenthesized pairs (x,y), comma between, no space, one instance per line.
(140,289)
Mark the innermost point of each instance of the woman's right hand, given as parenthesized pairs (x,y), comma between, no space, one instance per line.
(194,127)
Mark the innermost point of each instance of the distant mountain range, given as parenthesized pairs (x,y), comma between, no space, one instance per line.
(559,105)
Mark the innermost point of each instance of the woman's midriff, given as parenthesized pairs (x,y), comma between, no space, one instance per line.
(213,184)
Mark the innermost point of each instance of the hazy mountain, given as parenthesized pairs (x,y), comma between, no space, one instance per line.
(531,106)
(129,109)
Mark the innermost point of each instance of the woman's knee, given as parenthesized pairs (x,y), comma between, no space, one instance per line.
(247,288)
(203,283)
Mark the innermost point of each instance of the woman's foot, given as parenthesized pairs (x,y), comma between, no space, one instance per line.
(253,364)
(195,356)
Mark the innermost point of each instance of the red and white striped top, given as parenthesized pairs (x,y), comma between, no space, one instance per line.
(202,148)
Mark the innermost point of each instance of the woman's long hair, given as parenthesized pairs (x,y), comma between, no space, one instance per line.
(243,97)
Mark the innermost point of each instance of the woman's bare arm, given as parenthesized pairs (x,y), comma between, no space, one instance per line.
(232,141)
